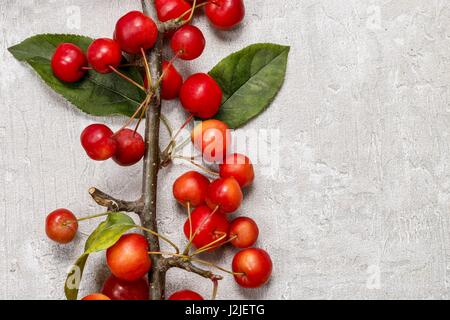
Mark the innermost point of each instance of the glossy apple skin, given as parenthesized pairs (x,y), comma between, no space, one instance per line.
(255,264)
(97,140)
(128,258)
(68,62)
(118,289)
(171,82)
(61,226)
(225,14)
(191,187)
(130,147)
(188,42)
(171,9)
(239,167)
(212,137)
(246,232)
(211,230)
(104,53)
(96,296)
(135,31)
(201,96)
(224,193)
(185,295)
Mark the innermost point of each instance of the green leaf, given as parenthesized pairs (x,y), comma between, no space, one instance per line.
(109,232)
(250,79)
(74,277)
(96,94)
(104,236)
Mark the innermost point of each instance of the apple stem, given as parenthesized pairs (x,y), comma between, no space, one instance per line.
(190,160)
(215,289)
(161,237)
(217,267)
(211,245)
(190,220)
(94,216)
(139,109)
(125,77)
(192,11)
(189,245)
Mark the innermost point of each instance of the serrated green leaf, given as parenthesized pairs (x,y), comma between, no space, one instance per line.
(250,79)
(96,94)
(104,236)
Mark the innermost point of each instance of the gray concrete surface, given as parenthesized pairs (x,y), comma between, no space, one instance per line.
(359,205)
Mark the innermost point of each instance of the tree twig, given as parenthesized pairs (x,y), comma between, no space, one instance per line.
(148,216)
(178,262)
(170,25)
(157,274)
(113,204)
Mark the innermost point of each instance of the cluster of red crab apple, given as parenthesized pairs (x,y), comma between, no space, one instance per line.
(207,227)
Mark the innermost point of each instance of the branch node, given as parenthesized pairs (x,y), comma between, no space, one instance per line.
(181,263)
(114,204)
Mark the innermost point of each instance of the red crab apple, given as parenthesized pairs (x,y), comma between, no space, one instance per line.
(191,188)
(171,81)
(103,54)
(253,267)
(188,42)
(128,258)
(210,227)
(244,231)
(224,193)
(239,167)
(130,147)
(61,226)
(96,296)
(171,9)
(185,295)
(135,32)
(68,63)
(118,289)
(212,137)
(225,14)
(201,96)
(98,143)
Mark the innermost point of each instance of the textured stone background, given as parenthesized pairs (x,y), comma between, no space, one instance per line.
(359,205)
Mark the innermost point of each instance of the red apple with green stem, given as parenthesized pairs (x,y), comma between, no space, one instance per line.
(61,226)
